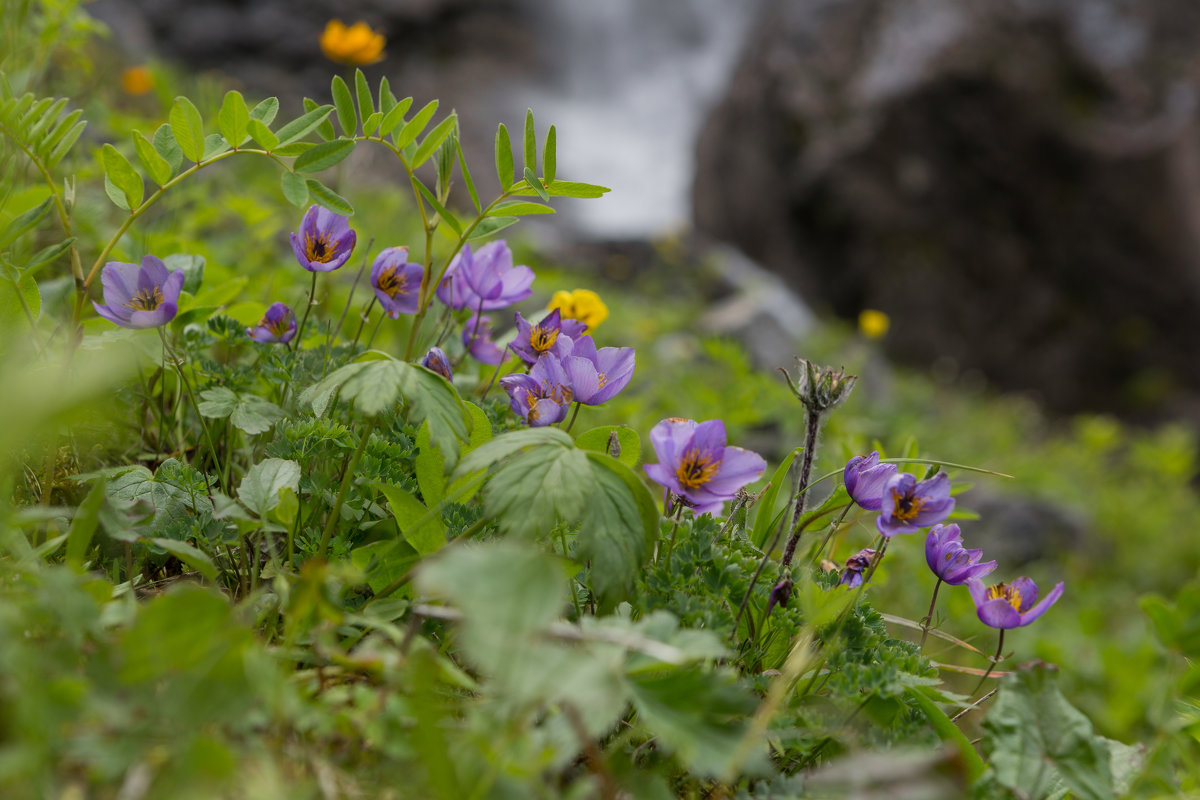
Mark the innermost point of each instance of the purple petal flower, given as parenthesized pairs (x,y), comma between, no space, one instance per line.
(477,340)
(949,560)
(278,325)
(543,396)
(1010,605)
(780,594)
(436,360)
(552,335)
(485,280)
(325,240)
(598,375)
(865,479)
(908,505)
(139,297)
(695,464)
(856,564)
(397,283)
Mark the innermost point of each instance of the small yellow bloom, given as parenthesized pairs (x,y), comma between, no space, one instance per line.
(873,324)
(356,46)
(137,80)
(581,304)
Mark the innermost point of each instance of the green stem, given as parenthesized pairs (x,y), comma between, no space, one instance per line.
(344,489)
(991,664)
(574,414)
(312,292)
(187,387)
(362,322)
(925,623)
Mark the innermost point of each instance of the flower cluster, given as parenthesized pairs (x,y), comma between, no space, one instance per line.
(356,45)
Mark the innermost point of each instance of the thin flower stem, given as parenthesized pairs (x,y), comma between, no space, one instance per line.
(343,490)
(336,329)
(813,426)
(991,664)
(832,530)
(362,321)
(375,332)
(574,414)
(562,537)
(187,386)
(925,623)
(312,292)
(880,549)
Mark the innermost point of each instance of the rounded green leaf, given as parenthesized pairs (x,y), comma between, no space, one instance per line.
(188,128)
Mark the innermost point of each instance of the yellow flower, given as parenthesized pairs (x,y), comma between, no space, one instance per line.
(873,324)
(137,80)
(355,46)
(581,304)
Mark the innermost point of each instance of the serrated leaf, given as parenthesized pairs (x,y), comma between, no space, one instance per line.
(232,118)
(259,489)
(156,166)
(303,125)
(394,116)
(366,104)
(344,103)
(266,110)
(329,198)
(187,127)
(628,443)
(324,155)
(504,157)
(217,403)
(529,151)
(434,140)
(412,129)
(295,188)
(550,156)
(255,414)
(168,148)
(518,208)
(618,531)
(261,134)
(122,174)
(410,513)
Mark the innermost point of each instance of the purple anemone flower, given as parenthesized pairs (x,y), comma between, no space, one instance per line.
(325,240)
(1010,605)
(278,325)
(907,505)
(477,340)
(436,360)
(543,396)
(139,297)
(552,335)
(598,375)
(695,464)
(397,282)
(856,564)
(949,560)
(484,280)
(865,479)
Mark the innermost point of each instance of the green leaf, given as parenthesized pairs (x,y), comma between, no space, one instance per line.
(518,208)
(434,140)
(766,514)
(217,403)
(504,158)
(329,198)
(47,255)
(430,468)
(529,151)
(443,212)
(371,124)
(261,134)
(412,129)
(67,131)
(295,189)
(538,189)
(303,125)
(618,531)
(410,513)
(559,188)
(248,413)
(549,156)
(214,144)
(466,173)
(384,562)
(481,426)
(344,103)
(533,491)
(188,128)
(118,197)
(168,148)
(23,223)
(599,440)
(366,104)
(83,527)
(193,275)
(68,141)
(266,110)
(122,174)
(394,116)
(947,731)
(489,225)
(325,129)
(387,100)
(156,166)
(324,155)
(259,489)
(189,555)
(233,117)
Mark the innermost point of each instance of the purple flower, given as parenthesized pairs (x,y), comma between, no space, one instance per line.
(278,325)
(908,505)
(396,282)
(140,297)
(485,280)
(949,560)
(695,464)
(780,594)
(1010,605)
(552,335)
(543,396)
(598,375)
(856,564)
(477,340)
(325,240)
(436,360)
(865,478)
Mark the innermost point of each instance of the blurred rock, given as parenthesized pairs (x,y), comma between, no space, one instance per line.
(1015,182)
(1018,530)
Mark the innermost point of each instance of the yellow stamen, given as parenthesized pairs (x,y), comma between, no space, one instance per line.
(393,284)
(320,249)
(906,507)
(696,469)
(146,299)
(1004,591)
(541,339)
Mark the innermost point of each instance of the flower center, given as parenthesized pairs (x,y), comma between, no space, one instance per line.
(1003,591)
(277,327)
(542,339)
(603,379)
(696,469)
(906,507)
(392,284)
(320,249)
(146,299)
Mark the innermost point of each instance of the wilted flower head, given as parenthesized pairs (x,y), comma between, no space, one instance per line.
(355,46)
(484,280)
(856,564)
(396,281)
(325,240)
(781,593)
(819,388)
(598,375)
(909,505)
(865,479)
(1010,605)
(139,297)
(477,340)
(436,360)
(581,304)
(695,464)
(543,396)
(552,335)
(278,325)
(949,560)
